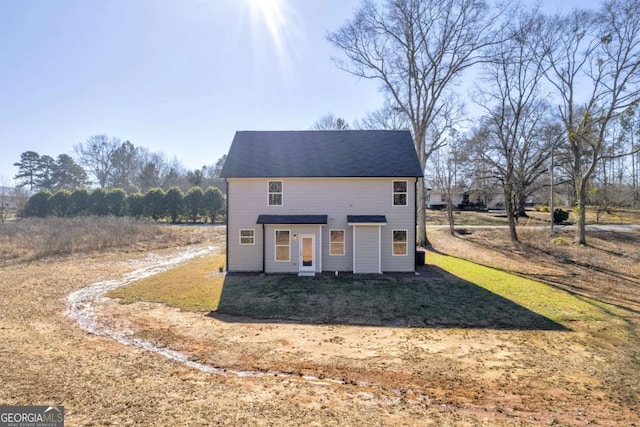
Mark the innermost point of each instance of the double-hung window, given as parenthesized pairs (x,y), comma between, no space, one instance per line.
(275,193)
(336,244)
(400,193)
(399,242)
(247,237)
(283,245)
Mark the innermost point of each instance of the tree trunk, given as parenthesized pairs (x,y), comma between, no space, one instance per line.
(522,206)
(450,214)
(508,203)
(581,233)
(634,182)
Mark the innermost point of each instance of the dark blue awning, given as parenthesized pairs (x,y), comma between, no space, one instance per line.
(292,219)
(366,219)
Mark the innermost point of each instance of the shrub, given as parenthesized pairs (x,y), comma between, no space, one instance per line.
(79,202)
(559,241)
(174,203)
(135,205)
(213,203)
(154,203)
(59,203)
(544,208)
(116,199)
(98,202)
(38,205)
(194,203)
(560,216)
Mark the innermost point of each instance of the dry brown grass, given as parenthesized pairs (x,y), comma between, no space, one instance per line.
(615,216)
(35,238)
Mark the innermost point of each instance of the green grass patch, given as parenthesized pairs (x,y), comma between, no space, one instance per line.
(555,304)
(453,293)
(192,286)
(434,299)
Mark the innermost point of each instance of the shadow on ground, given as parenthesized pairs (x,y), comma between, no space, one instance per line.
(434,299)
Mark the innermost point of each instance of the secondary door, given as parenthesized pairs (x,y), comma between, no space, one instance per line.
(307,253)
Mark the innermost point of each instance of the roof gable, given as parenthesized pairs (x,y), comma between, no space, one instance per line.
(344,153)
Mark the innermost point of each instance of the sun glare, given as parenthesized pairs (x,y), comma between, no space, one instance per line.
(275,32)
(271,14)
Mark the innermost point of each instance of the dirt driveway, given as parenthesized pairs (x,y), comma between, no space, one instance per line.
(390,376)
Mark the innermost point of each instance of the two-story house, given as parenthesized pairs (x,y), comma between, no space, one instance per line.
(312,201)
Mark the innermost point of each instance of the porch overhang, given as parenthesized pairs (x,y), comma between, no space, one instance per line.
(366,220)
(292,219)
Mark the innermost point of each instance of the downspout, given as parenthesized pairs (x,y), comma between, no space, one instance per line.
(415,215)
(226,256)
(264,248)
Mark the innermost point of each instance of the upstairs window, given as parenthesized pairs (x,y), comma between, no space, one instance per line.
(400,193)
(275,193)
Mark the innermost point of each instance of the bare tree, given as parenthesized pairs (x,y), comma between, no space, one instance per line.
(593,61)
(416,49)
(444,165)
(387,117)
(125,166)
(12,199)
(515,111)
(96,154)
(331,122)
(5,199)
(630,133)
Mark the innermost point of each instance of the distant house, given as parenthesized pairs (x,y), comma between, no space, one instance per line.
(437,199)
(12,200)
(312,201)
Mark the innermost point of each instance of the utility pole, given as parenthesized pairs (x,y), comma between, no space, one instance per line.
(551,203)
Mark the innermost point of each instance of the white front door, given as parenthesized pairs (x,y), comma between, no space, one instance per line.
(307,253)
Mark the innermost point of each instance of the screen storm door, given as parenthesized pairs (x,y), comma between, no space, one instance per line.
(307,253)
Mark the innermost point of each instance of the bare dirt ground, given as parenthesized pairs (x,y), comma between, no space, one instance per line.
(389,376)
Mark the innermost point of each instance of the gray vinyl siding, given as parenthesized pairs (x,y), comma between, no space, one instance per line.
(242,257)
(335,197)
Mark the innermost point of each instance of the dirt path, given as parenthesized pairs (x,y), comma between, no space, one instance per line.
(83,304)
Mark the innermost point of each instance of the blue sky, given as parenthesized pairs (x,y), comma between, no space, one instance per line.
(179,77)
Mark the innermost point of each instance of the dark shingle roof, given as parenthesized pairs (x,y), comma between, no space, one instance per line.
(292,219)
(344,153)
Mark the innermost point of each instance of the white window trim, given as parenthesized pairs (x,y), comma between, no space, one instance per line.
(406,243)
(269,193)
(393,192)
(275,246)
(344,242)
(253,236)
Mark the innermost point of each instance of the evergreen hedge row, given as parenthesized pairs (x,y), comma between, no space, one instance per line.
(172,205)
